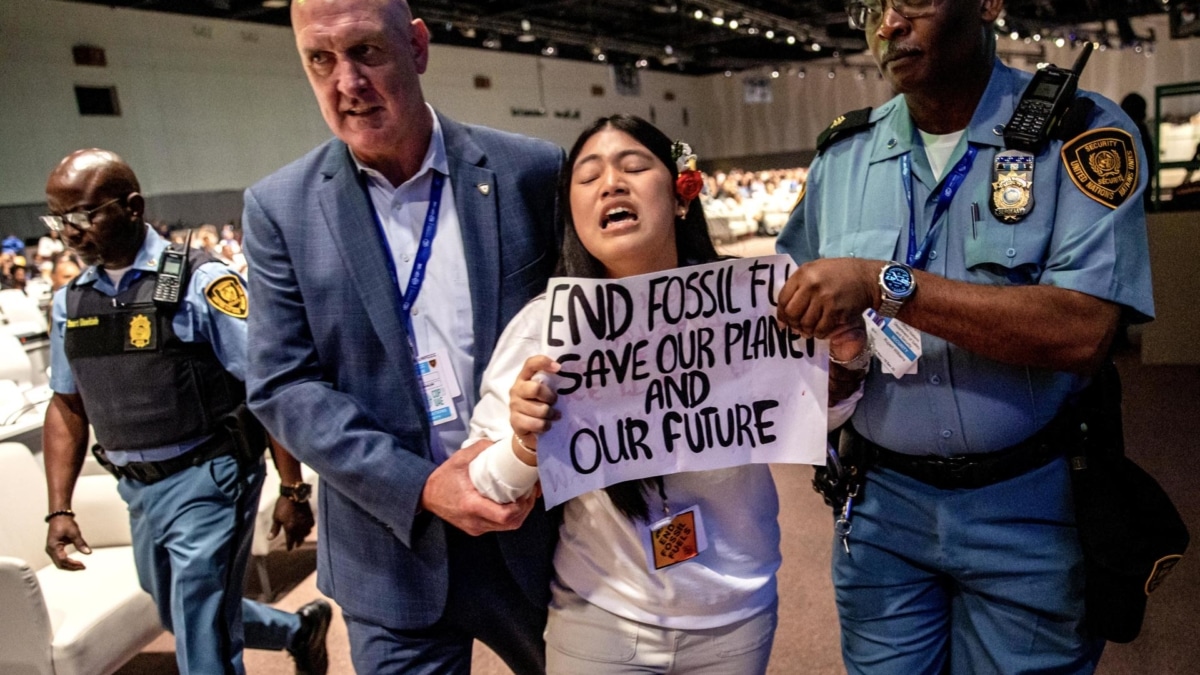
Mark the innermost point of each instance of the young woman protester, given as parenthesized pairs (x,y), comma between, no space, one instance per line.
(716,612)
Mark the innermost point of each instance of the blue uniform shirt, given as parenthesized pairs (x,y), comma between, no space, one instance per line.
(196,321)
(961,403)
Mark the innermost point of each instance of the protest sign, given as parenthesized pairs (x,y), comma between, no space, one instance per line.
(683,370)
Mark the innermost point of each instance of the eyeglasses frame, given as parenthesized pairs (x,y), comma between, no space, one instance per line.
(59,223)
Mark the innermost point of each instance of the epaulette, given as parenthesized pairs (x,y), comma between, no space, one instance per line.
(845,125)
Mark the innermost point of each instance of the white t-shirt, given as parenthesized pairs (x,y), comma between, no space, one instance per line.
(939,148)
(601,555)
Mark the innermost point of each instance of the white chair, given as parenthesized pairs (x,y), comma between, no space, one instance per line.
(21,313)
(54,622)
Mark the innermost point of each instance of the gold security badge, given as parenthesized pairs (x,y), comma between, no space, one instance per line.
(1012,189)
(141,333)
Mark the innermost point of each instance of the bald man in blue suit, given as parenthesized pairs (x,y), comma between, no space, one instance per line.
(384,264)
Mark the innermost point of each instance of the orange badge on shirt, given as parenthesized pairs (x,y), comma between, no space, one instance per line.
(675,541)
(227,294)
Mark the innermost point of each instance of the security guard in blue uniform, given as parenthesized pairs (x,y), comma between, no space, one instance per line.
(996,277)
(159,377)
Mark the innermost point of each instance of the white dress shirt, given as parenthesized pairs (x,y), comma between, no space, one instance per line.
(441,318)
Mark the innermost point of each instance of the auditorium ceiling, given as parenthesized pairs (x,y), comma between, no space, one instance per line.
(695,37)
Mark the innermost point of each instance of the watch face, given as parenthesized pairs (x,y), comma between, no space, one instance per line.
(297,493)
(898,280)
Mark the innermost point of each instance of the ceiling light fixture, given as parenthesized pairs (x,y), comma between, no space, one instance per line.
(770,34)
(275,4)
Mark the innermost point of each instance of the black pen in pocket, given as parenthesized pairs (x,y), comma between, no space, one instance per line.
(974,220)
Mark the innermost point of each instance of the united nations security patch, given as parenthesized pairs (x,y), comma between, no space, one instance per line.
(227,295)
(1103,164)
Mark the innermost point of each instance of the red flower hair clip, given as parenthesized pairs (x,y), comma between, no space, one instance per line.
(690,181)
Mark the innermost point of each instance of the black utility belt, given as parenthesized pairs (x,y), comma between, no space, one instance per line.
(979,470)
(152,472)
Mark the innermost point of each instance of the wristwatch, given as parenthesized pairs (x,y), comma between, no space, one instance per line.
(896,284)
(297,492)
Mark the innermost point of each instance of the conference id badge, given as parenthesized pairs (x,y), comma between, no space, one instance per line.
(897,344)
(674,539)
(440,386)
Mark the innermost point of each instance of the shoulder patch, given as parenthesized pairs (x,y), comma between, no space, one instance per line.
(1103,164)
(845,125)
(800,198)
(226,294)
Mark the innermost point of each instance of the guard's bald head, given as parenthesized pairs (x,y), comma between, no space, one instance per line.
(100,172)
(100,184)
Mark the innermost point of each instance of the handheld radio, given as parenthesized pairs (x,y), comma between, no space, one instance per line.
(1044,104)
(172,270)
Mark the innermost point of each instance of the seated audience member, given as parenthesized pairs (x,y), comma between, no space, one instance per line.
(50,245)
(609,612)
(17,274)
(66,268)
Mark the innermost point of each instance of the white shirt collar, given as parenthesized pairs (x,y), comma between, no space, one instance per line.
(435,158)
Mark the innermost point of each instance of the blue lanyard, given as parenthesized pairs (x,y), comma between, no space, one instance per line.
(919,257)
(416,278)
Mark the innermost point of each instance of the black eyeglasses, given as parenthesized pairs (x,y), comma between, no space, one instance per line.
(866,13)
(80,220)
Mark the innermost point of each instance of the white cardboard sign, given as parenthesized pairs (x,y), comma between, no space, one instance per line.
(683,370)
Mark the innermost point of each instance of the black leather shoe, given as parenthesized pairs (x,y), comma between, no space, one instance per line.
(308,648)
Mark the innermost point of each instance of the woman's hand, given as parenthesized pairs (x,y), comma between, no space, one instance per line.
(531,403)
(846,343)
(848,340)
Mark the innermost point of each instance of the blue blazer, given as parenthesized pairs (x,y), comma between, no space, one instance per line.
(331,374)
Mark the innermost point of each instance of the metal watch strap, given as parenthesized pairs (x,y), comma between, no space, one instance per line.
(890,307)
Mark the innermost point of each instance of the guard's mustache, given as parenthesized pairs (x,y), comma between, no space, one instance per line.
(894,52)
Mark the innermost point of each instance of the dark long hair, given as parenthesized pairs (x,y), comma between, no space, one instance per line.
(692,245)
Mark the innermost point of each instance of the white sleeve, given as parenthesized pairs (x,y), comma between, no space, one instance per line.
(496,472)
(499,475)
(839,413)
